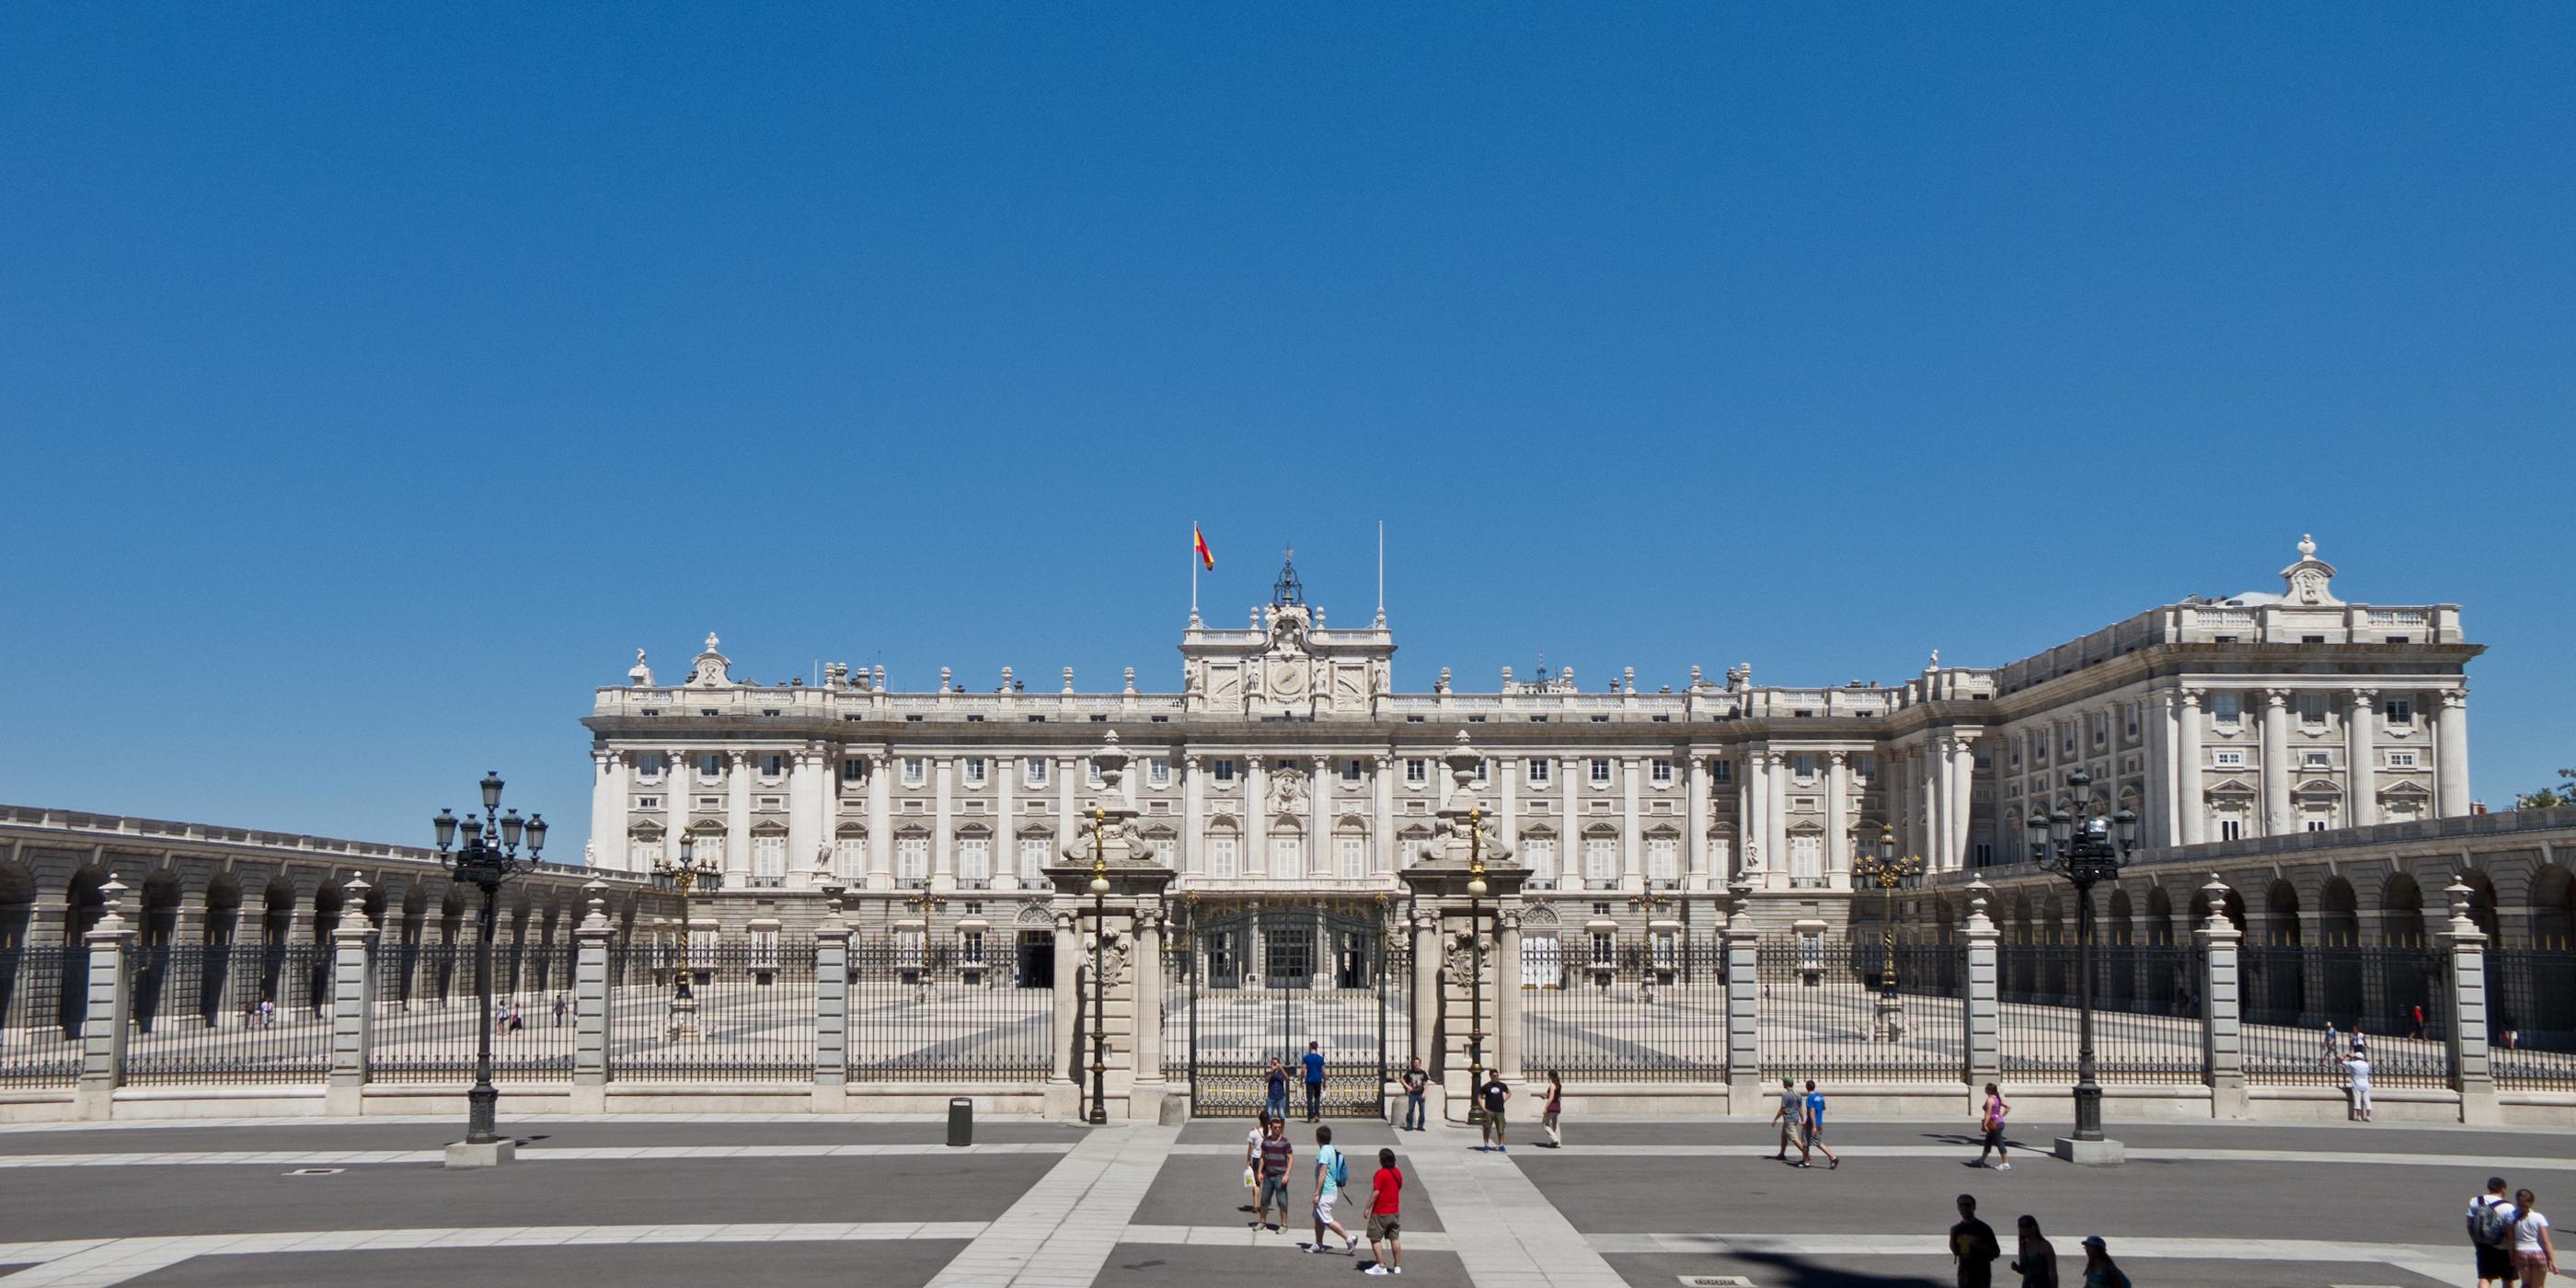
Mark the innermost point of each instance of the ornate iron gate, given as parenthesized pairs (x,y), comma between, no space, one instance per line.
(1264,978)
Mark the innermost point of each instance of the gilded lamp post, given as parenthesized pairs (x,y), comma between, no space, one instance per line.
(1886,870)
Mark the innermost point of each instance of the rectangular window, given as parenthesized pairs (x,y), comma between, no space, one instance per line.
(710,765)
(649,765)
(850,857)
(2316,824)
(1158,772)
(854,771)
(2312,708)
(1033,771)
(2401,760)
(648,802)
(646,854)
(2231,829)
(1223,769)
(1604,947)
(1806,861)
(1287,856)
(914,769)
(974,771)
(1351,770)
(970,947)
(1417,770)
(2398,711)
(1538,770)
(1090,773)
(1985,853)
(1600,769)
(974,862)
(1221,856)
(773,766)
(2227,758)
(1721,771)
(768,860)
(1600,861)
(1033,856)
(1167,852)
(1663,859)
(2316,760)
(1661,770)
(1802,765)
(2134,711)
(912,858)
(1351,857)
(2225,708)
(1539,852)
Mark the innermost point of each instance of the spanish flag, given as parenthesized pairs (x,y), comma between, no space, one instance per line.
(1198,539)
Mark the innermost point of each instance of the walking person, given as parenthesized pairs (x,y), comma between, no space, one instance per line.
(1547,1117)
(1973,1246)
(2357,1068)
(1274,1093)
(1314,1062)
(1990,1120)
(1811,1135)
(2416,1016)
(2034,1258)
(1332,1172)
(2099,1270)
(2535,1254)
(2334,1046)
(1386,1207)
(2491,1233)
(1416,1082)
(1252,1155)
(561,1005)
(1793,1107)
(1277,1152)
(1495,1096)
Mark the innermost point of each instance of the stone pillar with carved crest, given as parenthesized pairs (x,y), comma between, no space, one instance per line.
(1466,888)
(1110,892)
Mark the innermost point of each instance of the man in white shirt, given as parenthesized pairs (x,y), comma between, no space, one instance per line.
(2358,1069)
(2490,1221)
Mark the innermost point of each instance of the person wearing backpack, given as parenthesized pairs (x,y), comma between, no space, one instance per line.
(1990,1120)
(2491,1217)
(1332,1172)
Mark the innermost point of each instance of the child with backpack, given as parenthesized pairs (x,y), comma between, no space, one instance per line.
(1332,1172)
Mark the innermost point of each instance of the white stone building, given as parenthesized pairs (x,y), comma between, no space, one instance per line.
(1289,761)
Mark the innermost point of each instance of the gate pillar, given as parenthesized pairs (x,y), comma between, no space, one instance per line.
(1109,910)
(1467,892)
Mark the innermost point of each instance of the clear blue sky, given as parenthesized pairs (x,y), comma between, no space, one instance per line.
(374,382)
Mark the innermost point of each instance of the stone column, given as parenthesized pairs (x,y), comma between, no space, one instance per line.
(1983,1000)
(2222,1036)
(1632,859)
(2464,1030)
(353,959)
(1064,1083)
(2187,774)
(831,1011)
(737,855)
(1837,823)
(590,1002)
(608,808)
(1936,791)
(1382,823)
(1963,781)
(1775,817)
(2156,729)
(1319,831)
(1742,944)
(1507,989)
(2361,758)
(2451,755)
(1696,868)
(805,832)
(678,777)
(1193,817)
(1005,771)
(1256,817)
(1428,1041)
(1145,1098)
(880,821)
(1064,820)
(2276,755)
(107,1008)
(1507,774)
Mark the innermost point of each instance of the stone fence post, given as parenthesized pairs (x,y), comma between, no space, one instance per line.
(353,997)
(1981,1004)
(1743,948)
(107,1008)
(591,994)
(831,1009)
(2472,1073)
(2222,1031)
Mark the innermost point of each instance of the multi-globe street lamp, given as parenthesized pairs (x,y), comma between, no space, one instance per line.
(488,856)
(1476,889)
(1886,870)
(2085,848)
(683,875)
(1099,992)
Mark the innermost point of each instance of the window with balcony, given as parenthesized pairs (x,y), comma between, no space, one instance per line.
(769,861)
(974,863)
(1539,852)
(1600,862)
(1033,856)
(912,859)
(1663,859)
(1221,857)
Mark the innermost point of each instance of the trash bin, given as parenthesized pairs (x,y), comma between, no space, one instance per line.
(961,1122)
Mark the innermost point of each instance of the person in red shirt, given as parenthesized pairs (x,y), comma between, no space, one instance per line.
(1386,1201)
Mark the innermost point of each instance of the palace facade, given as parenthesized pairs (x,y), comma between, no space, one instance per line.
(1288,761)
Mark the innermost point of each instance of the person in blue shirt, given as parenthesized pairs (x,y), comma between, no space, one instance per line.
(1814,1123)
(1274,1095)
(1314,1063)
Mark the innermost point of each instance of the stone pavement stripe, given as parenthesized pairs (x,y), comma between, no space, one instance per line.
(2026,1150)
(1063,1229)
(508,1120)
(529,1154)
(1503,1229)
(94,1263)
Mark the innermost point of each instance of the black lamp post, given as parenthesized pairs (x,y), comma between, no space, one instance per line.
(2084,850)
(1099,990)
(488,856)
(1476,978)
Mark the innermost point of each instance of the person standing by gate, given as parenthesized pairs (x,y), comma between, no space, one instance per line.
(1416,1082)
(1314,1062)
(1274,1095)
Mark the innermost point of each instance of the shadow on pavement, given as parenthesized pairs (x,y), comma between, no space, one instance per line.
(1798,1272)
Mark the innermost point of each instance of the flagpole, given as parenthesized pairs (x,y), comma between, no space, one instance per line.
(1194,570)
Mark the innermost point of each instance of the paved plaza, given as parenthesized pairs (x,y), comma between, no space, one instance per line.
(651,1200)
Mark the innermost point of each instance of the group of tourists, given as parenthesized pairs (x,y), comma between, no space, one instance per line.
(2514,1248)
(1974,1249)
(1269,1164)
(1274,1098)
(1801,1119)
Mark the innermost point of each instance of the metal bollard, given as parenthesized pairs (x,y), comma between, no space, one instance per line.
(961,1122)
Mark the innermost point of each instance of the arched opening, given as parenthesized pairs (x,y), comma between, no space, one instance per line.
(2276,970)
(2119,929)
(2401,911)
(2160,927)
(2553,909)
(157,925)
(2338,914)
(2482,904)
(2540,992)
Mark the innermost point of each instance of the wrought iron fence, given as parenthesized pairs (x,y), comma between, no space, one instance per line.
(1830,1009)
(2146,1018)
(40,1044)
(1643,1016)
(432,1034)
(747,1011)
(1254,983)
(2391,999)
(2531,1002)
(944,1013)
(228,1013)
